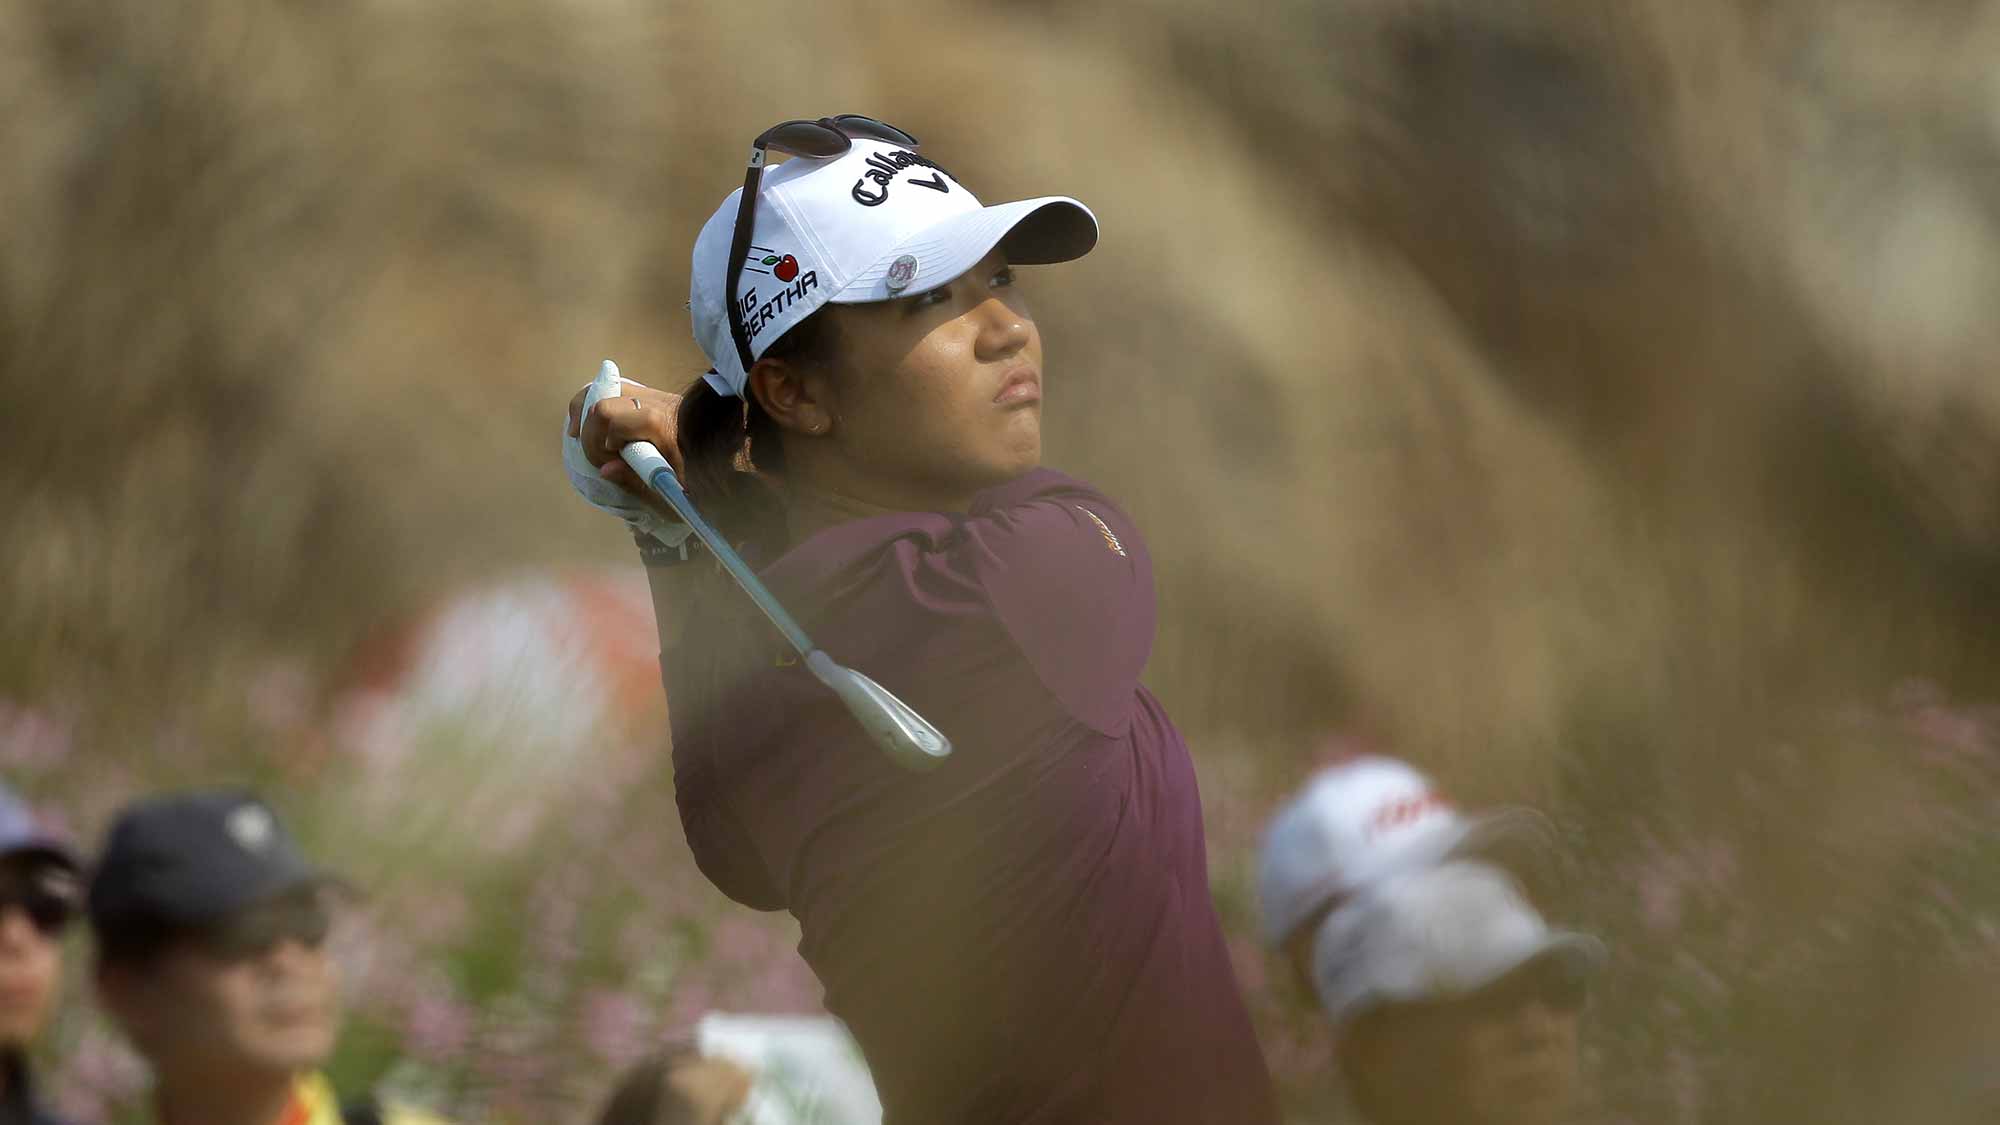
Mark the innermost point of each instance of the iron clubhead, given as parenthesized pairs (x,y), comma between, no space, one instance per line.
(904,735)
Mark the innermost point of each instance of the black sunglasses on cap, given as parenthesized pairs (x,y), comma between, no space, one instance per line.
(47,893)
(826,137)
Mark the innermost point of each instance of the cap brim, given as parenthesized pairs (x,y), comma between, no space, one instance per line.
(313,878)
(1580,955)
(316,879)
(1509,833)
(1032,232)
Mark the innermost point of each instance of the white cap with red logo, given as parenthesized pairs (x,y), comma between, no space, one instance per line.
(1359,822)
(1438,933)
(875,223)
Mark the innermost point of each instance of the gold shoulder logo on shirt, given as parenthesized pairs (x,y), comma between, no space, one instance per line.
(1104,529)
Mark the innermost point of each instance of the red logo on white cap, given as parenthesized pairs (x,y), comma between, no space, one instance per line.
(1408,810)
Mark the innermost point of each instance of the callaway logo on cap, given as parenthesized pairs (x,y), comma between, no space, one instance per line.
(872,224)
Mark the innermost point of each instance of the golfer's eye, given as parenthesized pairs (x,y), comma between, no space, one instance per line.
(937,296)
(1003,277)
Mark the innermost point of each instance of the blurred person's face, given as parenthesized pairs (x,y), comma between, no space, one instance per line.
(921,401)
(37,899)
(253,994)
(1506,1055)
(710,1090)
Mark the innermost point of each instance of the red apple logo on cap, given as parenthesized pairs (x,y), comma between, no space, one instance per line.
(786,269)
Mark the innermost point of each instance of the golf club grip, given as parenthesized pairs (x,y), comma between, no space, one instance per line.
(645,459)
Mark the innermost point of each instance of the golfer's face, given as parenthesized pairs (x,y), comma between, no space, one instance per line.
(945,386)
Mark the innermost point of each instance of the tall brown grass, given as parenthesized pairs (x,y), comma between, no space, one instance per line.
(1581,401)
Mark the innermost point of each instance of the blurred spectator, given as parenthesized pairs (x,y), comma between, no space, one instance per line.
(1453,1002)
(38,897)
(751,1070)
(211,931)
(678,1087)
(1356,823)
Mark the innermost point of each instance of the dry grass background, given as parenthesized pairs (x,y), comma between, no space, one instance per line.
(1594,405)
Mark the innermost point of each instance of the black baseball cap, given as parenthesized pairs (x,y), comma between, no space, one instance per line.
(189,860)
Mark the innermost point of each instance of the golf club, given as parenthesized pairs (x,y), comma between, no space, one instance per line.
(904,735)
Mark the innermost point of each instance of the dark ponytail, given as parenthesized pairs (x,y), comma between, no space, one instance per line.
(734,451)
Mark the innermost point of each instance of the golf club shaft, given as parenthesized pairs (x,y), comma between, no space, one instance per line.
(645,459)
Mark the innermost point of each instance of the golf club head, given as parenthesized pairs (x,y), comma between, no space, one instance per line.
(903,734)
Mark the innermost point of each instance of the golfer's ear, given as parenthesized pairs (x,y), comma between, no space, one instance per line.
(784,392)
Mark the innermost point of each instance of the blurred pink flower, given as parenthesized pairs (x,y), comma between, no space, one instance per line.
(280,697)
(512,827)
(785,986)
(1915,693)
(554,911)
(743,939)
(690,999)
(1953,731)
(1715,861)
(437,1025)
(436,917)
(1660,885)
(1685,1084)
(617,1026)
(32,739)
(102,1071)
(370,726)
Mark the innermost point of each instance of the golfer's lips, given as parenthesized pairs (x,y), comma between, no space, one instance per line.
(1021,386)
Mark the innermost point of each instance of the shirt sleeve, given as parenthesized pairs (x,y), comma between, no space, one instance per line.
(723,846)
(1065,572)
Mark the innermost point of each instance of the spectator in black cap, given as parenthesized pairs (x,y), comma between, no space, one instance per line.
(211,928)
(38,896)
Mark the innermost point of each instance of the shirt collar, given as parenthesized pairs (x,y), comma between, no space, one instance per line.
(312,1102)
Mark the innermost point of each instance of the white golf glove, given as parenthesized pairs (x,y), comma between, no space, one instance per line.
(602,494)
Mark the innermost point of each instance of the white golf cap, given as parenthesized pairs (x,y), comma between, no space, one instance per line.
(1436,933)
(1359,822)
(872,224)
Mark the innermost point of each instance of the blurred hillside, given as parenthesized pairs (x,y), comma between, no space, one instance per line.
(1597,407)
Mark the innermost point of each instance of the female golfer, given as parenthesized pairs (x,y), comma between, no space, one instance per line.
(1025,933)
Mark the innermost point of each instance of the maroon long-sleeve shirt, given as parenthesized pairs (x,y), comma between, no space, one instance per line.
(1024,934)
